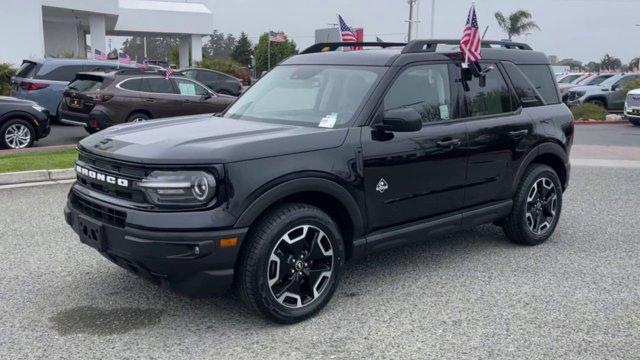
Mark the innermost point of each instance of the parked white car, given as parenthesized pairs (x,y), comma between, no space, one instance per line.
(632,107)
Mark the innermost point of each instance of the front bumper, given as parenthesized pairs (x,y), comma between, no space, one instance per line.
(631,114)
(190,261)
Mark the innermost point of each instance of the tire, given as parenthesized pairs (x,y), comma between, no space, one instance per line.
(597,102)
(635,122)
(533,208)
(16,134)
(138,117)
(269,265)
(91,130)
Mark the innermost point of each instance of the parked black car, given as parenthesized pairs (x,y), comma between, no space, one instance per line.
(21,123)
(219,82)
(329,157)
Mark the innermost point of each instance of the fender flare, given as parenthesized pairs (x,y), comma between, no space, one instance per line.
(291,187)
(541,149)
(19,114)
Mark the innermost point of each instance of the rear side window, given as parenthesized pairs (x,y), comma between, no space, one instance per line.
(27,70)
(542,78)
(210,76)
(525,90)
(62,73)
(157,85)
(86,84)
(131,84)
(494,98)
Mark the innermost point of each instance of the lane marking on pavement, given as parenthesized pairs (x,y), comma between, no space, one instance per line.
(39,183)
(627,164)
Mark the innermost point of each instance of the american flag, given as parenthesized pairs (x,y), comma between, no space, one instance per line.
(124,58)
(346,32)
(277,37)
(169,72)
(99,55)
(143,64)
(471,43)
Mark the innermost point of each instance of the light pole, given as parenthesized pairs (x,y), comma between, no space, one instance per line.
(410,21)
(433,18)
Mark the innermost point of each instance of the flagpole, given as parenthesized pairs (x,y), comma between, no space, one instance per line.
(269,52)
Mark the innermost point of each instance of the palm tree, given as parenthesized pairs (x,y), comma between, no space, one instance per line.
(517,24)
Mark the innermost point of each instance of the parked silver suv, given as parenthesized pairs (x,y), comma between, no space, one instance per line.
(606,95)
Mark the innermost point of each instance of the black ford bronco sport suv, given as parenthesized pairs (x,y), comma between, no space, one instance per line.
(331,156)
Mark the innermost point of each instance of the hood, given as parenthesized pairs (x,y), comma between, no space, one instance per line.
(207,140)
(12,100)
(634,92)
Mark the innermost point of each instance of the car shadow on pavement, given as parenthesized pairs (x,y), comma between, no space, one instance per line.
(147,305)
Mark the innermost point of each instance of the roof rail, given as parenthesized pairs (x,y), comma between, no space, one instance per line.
(332,46)
(430,45)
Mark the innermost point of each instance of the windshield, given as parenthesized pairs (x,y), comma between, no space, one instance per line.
(309,95)
(568,79)
(597,80)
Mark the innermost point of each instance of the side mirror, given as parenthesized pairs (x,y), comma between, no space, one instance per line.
(206,96)
(615,87)
(402,120)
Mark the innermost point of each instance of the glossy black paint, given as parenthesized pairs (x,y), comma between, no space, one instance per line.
(11,108)
(449,174)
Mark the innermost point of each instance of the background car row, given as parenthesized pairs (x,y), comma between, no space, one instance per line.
(44,83)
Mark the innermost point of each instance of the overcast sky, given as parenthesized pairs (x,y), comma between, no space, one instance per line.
(581,29)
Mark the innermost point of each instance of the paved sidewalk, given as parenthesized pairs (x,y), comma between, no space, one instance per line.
(605,152)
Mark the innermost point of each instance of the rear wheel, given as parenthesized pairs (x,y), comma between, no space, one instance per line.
(536,208)
(598,102)
(16,134)
(291,263)
(138,117)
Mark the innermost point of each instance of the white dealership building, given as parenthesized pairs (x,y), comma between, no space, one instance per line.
(56,28)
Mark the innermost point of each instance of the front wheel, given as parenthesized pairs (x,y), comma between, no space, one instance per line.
(16,134)
(635,122)
(291,263)
(536,207)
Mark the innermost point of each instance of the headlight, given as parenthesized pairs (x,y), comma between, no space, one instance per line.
(38,108)
(179,188)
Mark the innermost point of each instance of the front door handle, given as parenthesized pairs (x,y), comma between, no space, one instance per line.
(150,100)
(518,134)
(448,144)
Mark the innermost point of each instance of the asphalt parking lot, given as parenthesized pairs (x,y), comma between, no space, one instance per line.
(469,295)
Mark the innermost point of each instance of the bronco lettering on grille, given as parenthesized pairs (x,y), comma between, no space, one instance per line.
(101,177)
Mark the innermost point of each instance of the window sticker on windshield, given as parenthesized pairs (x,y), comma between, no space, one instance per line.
(329,121)
(444,112)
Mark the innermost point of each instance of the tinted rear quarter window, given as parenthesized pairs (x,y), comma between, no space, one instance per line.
(86,84)
(28,70)
(542,78)
(131,84)
(62,73)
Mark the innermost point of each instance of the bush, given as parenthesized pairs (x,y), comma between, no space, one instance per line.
(6,72)
(589,112)
(227,66)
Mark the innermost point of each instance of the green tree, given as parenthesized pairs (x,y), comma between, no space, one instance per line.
(219,45)
(593,66)
(6,72)
(572,63)
(609,62)
(518,23)
(279,52)
(158,48)
(633,65)
(242,51)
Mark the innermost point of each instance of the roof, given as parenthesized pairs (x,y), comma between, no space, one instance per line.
(396,56)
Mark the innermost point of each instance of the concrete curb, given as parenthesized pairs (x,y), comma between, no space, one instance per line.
(37,176)
(598,122)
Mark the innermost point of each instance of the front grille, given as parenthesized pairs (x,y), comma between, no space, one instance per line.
(633,100)
(132,173)
(99,212)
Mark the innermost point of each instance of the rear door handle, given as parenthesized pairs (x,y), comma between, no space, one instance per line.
(518,134)
(448,144)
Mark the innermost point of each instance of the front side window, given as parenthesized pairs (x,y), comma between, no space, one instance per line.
(525,90)
(425,88)
(626,80)
(492,99)
(209,76)
(309,95)
(189,88)
(191,74)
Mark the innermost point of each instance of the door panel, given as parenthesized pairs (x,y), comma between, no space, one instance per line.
(415,175)
(500,135)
